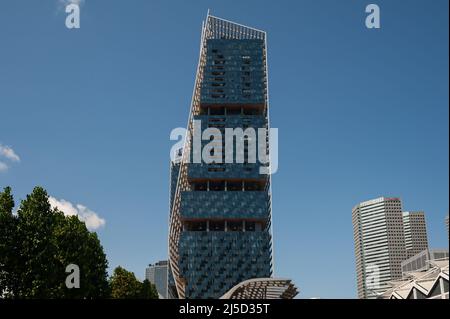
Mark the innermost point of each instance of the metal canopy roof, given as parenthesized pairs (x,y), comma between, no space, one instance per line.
(262,288)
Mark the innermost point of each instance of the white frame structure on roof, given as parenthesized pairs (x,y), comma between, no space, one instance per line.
(423,282)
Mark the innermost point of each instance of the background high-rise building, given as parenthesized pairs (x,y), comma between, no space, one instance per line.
(415,230)
(446,224)
(157,275)
(379,244)
(220,221)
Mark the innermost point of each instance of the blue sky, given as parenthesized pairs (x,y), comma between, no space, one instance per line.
(361,113)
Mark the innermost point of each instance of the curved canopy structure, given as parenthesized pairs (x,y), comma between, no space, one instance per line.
(263,288)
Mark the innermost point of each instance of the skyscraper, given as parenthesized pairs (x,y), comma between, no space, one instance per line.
(415,231)
(446,224)
(157,275)
(379,244)
(220,217)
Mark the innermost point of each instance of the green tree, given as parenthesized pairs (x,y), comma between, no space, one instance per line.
(124,285)
(38,245)
(6,201)
(76,245)
(39,272)
(7,249)
(148,290)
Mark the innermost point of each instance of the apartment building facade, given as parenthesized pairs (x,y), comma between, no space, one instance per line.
(220,230)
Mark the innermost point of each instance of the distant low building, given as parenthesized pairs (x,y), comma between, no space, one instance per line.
(428,284)
(421,261)
(157,275)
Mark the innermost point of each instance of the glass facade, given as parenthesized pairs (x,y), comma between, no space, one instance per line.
(234,72)
(220,219)
(213,262)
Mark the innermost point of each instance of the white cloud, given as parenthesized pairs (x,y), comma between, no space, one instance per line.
(3,167)
(9,153)
(91,218)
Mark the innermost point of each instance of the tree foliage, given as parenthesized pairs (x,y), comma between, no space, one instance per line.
(148,290)
(39,243)
(7,242)
(125,285)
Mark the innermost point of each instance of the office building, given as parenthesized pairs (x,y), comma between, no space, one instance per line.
(415,231)
(379,244)
(446,224)
(157,275)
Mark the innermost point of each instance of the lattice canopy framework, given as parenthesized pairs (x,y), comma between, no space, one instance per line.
(263,288)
